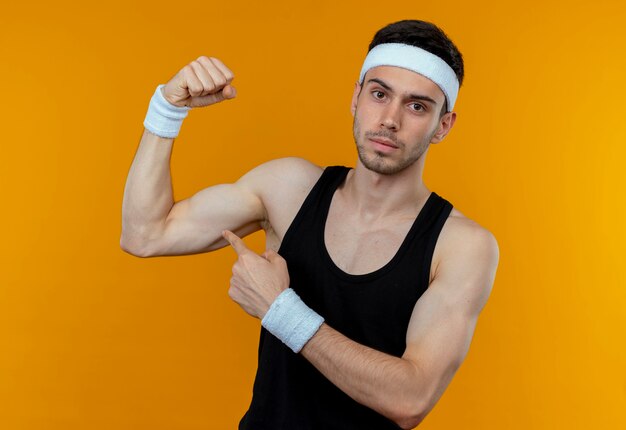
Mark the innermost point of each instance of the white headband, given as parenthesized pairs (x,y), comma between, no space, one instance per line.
(417,60)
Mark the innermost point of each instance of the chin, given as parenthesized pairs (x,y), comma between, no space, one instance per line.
(382,165)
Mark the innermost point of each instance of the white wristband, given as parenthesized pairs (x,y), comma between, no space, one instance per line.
(163,118)
(291,320)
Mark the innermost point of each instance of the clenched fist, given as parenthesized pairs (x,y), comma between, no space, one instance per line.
(200,83)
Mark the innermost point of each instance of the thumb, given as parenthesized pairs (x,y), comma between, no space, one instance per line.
(226,93)
(229,92)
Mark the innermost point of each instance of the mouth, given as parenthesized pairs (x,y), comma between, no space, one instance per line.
(382,142)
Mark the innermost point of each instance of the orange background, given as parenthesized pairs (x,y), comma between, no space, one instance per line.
(94,338)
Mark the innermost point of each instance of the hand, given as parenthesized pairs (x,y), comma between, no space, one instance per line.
(200,83)
(257,279)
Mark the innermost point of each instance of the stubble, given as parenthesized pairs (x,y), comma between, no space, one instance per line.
(386,164)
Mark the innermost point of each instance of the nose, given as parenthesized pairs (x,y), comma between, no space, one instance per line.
(390,117)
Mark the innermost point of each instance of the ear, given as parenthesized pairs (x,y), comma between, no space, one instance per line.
(355,97)
(445,125)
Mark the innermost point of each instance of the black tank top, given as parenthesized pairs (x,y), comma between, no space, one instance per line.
(373,309)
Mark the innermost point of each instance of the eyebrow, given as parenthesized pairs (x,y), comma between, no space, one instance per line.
(410,96)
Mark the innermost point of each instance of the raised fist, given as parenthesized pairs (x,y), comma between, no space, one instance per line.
(200,83)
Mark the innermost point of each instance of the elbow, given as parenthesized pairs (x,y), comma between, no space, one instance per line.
(409,421)
(410,416)
(133,247)
(412,406)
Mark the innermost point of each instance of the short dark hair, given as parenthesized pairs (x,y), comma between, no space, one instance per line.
(427,36)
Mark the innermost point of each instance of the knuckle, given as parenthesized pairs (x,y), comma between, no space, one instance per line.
(203,61)
(218,63)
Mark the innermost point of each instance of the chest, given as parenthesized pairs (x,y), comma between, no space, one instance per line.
(358,246)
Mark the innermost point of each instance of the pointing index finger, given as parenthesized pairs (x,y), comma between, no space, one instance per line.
(235,241)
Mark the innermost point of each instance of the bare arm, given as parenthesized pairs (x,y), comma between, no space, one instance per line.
(403,389)
(406,388)
(152,223)
(148,194)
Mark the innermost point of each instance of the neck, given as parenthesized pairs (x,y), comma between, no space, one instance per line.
(374,196)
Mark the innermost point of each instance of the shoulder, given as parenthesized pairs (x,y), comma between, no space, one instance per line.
(288,171)
(463,229)
(281,185)
(281,174)
(464,243)
(467,263)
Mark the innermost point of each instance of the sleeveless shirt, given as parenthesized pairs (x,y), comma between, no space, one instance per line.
(373,309)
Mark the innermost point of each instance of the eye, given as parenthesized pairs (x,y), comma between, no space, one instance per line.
(376,93)
(419,106)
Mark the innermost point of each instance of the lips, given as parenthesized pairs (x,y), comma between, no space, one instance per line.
(383,141)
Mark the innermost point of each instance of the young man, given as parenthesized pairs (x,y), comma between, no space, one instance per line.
(371,285)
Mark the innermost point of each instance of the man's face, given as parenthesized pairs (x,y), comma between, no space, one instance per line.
(399,109)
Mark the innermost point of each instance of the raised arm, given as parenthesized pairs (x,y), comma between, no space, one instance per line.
(152,223)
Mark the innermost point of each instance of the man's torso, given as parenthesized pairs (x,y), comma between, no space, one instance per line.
(355,246)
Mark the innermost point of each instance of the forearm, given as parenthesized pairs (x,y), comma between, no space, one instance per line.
(387,384)
(148,196)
